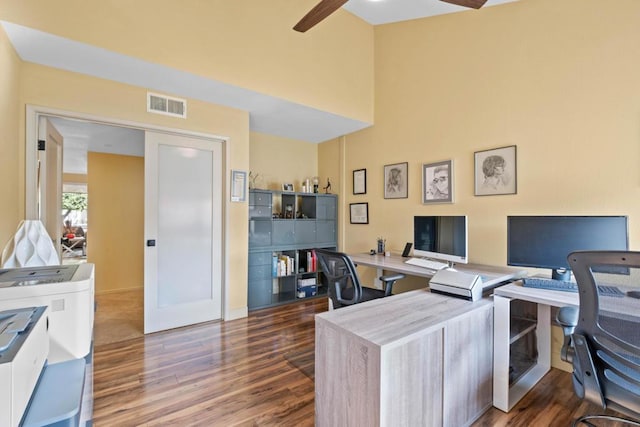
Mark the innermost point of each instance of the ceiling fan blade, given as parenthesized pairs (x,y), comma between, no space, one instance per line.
(318,13)
(474,4)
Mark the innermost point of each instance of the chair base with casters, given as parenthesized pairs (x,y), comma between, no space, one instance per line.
(602,337)
(344,287)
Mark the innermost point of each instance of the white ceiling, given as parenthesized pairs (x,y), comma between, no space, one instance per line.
(80,137)
(378,12)
(268,114)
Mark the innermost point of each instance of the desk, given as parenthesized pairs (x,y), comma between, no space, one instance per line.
(491,276)
(507,330)
(414,359)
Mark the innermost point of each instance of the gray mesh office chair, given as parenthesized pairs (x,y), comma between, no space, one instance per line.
(343,281)
(602,336)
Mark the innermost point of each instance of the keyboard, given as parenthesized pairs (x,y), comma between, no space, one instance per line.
(559,285)
(427,263)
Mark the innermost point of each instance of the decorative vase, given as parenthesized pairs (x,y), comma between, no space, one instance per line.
(31,246)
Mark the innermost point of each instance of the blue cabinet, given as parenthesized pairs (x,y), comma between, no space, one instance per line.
(283,230)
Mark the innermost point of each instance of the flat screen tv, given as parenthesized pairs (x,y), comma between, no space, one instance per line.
(546,241)
(440,237)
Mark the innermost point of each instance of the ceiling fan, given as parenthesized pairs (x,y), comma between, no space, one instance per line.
(327,7)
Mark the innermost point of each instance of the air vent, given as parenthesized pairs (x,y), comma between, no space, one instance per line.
(166,105)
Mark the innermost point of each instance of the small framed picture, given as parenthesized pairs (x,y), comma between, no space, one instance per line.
(395,181)
(495,171)
(359,213)
(238,186)
(360,181)
(437,182)
(287,187)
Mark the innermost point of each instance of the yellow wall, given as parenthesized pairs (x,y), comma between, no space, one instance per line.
(566,93)
(330,167)
(75,178)
(115,238)
(11,211)
(247,43)
(78,93)
(278,160)
(559,79)
(244,42)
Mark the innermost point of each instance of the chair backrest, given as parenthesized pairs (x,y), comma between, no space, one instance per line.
(341,276)
(606,339)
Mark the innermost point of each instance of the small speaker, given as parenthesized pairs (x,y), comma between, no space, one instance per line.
(407,249)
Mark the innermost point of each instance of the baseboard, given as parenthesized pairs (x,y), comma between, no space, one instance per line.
(236,313)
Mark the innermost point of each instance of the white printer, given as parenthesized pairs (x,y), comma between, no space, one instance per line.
(68,291)
(23,350)
(452,282)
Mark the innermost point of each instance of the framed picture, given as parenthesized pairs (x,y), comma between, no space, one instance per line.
(360,181)
(359,213)
(287,187)
(437,182)
(395,181)
(238,186)
(495,171)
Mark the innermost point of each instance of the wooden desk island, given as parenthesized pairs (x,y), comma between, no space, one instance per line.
(413,359)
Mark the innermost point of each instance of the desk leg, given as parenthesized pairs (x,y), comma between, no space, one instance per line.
(501,346)
(377,282)
(506,395)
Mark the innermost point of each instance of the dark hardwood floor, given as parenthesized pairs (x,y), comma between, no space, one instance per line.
(254,372)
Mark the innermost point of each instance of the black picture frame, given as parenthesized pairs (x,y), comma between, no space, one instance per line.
(359,213)
(360,181)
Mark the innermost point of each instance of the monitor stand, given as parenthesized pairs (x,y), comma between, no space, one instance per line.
(563,274)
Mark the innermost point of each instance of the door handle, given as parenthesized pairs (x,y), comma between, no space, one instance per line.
(151,242)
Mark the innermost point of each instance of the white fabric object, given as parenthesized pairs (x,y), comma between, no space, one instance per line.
(31,246)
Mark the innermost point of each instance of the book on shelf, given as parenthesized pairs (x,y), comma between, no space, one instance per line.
(284,265)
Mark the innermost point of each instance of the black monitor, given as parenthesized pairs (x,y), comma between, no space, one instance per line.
(441,237)
(546,241)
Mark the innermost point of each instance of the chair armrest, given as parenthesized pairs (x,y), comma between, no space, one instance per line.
(389,280)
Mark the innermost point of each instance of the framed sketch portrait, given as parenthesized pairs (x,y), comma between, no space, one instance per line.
(495,171)
(359,213)
(437,182)
(395,181)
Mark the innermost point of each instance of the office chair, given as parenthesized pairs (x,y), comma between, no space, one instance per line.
(344,283)
(602,336)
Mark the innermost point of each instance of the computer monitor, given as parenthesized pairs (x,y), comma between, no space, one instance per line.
(546,241)
(440,237)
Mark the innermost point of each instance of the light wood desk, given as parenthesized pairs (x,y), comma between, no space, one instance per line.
(508,329)
(491,276)
(412,359)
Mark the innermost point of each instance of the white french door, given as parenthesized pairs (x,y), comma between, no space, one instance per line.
(183,231)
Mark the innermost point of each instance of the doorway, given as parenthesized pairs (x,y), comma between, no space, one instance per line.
(125,238)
